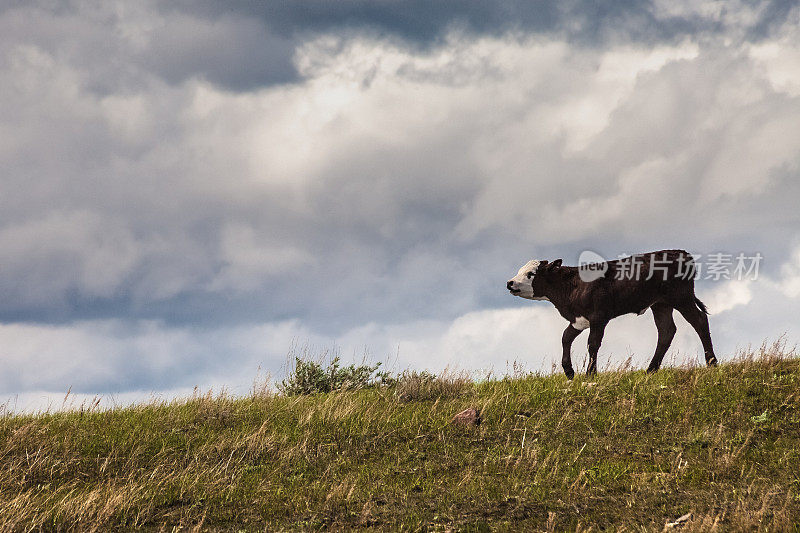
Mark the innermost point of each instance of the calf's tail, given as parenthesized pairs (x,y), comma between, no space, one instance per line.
(700,305)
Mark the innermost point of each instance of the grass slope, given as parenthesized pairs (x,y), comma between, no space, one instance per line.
(627,451)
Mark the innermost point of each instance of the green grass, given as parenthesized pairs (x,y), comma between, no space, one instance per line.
(625,451)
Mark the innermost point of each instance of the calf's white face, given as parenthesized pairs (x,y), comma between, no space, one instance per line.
(522,284)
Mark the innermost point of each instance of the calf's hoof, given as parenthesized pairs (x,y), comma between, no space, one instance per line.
(569,373)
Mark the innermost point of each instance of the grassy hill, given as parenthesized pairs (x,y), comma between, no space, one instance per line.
(626,451)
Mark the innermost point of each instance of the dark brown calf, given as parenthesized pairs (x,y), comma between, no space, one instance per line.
(591,297)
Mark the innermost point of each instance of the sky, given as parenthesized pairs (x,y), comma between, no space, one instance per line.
(194,192)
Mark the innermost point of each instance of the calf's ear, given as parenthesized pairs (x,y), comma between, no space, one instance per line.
(555,264)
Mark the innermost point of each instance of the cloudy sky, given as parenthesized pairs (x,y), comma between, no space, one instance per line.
(191,189)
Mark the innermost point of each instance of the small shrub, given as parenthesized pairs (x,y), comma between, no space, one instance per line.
(309,377)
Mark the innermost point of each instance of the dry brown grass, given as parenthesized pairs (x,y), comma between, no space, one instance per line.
(419,386)
(625,452)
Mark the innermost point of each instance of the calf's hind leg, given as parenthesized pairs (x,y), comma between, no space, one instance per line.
(596,331)
(699,321)
(662,313)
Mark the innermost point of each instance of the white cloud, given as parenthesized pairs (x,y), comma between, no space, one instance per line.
(123,363)
(248,260)
(790,271)
(44,257)
(489,136)
(110,357)
(726,295)
(530,336)
(779,56)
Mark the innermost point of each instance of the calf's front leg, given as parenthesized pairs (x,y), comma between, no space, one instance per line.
(566,343)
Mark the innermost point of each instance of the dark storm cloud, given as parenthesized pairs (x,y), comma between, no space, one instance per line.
(771,18)
(233,52)
(423,22)
(242,45)
(230,50)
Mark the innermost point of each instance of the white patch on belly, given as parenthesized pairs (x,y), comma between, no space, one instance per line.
(580,323)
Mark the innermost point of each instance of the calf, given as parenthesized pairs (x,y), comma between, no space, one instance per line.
(590,296)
